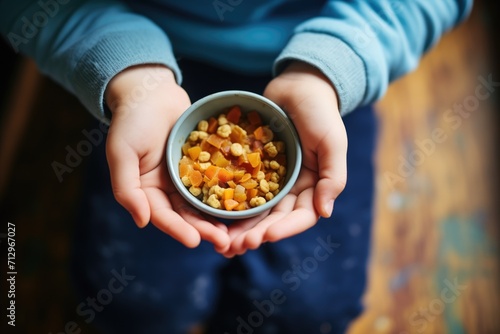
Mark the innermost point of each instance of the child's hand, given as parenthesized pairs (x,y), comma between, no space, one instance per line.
(135,151)
(310,100)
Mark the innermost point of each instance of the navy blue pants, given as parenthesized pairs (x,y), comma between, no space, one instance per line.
(142,281)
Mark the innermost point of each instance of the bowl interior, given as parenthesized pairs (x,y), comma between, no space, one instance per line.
(215,104)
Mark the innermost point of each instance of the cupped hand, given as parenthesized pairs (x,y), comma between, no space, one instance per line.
(145,102)
(310,100)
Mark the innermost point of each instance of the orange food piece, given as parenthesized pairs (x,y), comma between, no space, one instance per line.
(212,125)
(225,147)
(185,169)
(259,133)
(242,206)
(254,159)
(240,197)
(205,145)
(228,194)
(251,193)
(238,174)
(225,175)
(245,177)
(242,159)
(194,152)
(234,114)
(219,160)
(195,177)
(215,140)
(230,204)
(212,171)
(254,118)
(214,181)
(237,135)
(250,184)
(256,170)
(240,193)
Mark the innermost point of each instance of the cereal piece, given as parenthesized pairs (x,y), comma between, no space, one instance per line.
(205,190)
(204,156)
(194,135)
(196,191)
(213,201)
(273,186)
(269,196)
(280,146)
(264,134)
(202,135)
(271,150)
(203,126)
(224,130)
(204,166)
(264,186)
(217,190)
(222,119)
(256,201)
(260,175)
(274,165)
(236,149)
(186,181)
(266,163)
(275,177)
(282,171)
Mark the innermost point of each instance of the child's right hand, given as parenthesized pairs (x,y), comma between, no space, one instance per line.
(135,151)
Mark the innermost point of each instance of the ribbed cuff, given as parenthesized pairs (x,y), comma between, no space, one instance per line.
(111,55)
(335,59)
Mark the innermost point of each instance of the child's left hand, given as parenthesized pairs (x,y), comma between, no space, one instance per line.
(310,101)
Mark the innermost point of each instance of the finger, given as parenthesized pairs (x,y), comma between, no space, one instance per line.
(124,170)
(249,233)
(169,221)
(255,237)
(303,217)
(240,226)
(209,229)
(332,167)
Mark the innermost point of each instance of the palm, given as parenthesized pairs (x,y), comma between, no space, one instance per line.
(140,180)
(314,111)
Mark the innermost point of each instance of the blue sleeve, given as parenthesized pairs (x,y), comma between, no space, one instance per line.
(361,45)
(83,44)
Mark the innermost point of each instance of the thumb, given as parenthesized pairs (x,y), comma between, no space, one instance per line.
(332,167)
(124,170)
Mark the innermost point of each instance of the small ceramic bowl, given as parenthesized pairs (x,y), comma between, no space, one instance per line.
(213,105)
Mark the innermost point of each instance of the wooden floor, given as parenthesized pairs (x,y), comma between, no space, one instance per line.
(435,265)
(435,260)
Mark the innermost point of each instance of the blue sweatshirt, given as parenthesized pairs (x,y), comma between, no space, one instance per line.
(361,46)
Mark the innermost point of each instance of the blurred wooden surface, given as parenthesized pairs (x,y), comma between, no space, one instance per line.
(435,265)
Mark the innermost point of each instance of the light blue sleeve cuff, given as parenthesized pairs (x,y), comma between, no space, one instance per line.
(111,55)
(335,59)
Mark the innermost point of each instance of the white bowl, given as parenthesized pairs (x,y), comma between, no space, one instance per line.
(213,105)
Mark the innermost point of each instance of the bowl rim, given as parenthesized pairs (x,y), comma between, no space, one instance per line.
(205,208)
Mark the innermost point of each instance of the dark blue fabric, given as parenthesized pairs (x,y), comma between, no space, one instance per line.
(145,282)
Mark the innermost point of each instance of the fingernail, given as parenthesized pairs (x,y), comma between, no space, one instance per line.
(328,208)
